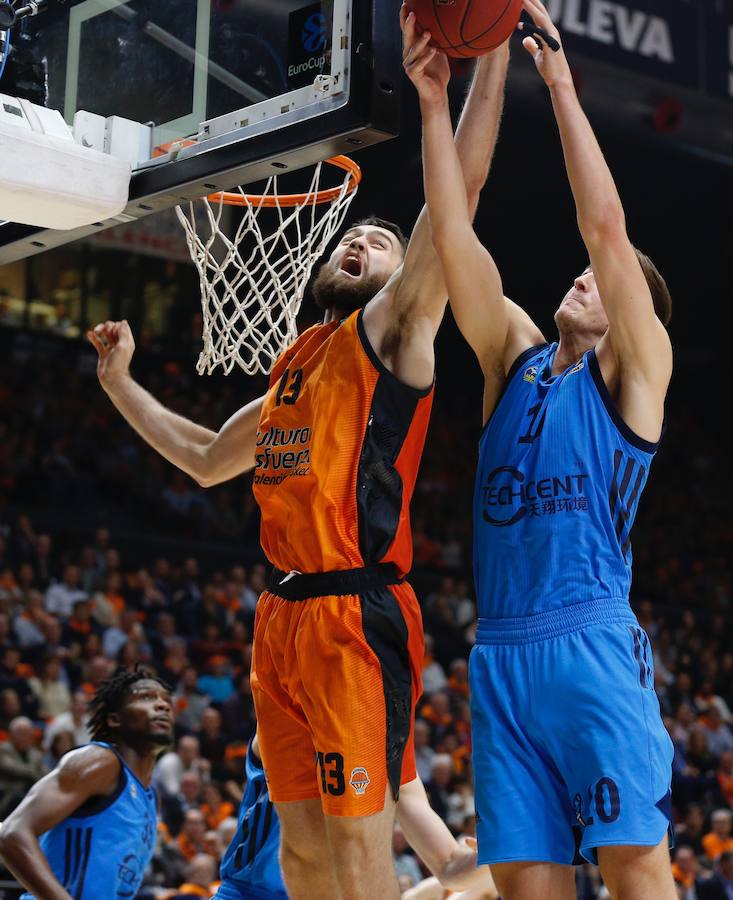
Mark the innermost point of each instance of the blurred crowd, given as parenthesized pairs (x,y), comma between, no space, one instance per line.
(74,603)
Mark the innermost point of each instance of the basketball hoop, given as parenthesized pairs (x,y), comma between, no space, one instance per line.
(252,283)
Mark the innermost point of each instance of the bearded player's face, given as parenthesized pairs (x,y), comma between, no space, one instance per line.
(362,263)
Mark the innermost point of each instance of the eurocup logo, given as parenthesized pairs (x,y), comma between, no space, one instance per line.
(359,780)
(314,33)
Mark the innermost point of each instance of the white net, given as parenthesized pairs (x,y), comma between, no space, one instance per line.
(252,283)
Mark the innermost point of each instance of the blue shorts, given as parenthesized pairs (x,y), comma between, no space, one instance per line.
(232,890)
(569,749)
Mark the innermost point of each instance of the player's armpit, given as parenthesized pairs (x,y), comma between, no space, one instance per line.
(637,337)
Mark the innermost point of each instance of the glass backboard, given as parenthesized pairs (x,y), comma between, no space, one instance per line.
(233,89)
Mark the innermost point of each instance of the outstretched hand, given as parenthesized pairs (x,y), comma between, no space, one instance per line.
(115,345)
(551,64)
(426,67)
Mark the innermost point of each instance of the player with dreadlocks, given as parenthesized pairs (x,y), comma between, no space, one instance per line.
(87,829)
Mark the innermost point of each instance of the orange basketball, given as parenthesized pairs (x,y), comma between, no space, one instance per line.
(463,28)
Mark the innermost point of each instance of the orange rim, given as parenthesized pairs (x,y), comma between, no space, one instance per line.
(268,201)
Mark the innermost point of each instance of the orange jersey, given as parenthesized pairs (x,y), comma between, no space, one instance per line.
(338,449)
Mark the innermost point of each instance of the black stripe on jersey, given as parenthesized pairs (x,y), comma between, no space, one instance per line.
(646,650)
(267,824)
(620,511)
(252,849)
(86,852)
(77,856)
(637,487)
(378,483)
(637,654)
(385,630)
(67,858)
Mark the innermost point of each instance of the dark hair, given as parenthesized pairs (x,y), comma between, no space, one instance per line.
(383,223)
(110,698)
(661,297)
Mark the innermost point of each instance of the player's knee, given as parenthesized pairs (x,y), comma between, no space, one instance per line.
(356,846)
(634,873)
(298,852)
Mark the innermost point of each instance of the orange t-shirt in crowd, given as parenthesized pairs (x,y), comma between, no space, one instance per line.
(215,815)
(714,846)
(684,878)
(187,847)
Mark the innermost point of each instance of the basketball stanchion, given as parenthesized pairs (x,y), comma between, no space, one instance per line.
(252,283)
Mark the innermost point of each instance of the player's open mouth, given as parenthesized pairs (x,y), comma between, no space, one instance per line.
(351,265)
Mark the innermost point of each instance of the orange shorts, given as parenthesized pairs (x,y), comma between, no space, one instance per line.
(335,682)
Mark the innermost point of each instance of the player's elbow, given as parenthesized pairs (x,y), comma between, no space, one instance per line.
(449,235)
(10,841)
(603,223)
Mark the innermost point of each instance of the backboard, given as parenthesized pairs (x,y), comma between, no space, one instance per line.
(241,89)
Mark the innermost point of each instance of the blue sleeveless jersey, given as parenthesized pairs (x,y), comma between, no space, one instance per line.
(102,850)
(251,867)
(558,485)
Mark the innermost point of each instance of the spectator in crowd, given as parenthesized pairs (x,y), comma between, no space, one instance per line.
(217,682)
(189,702)
(438,787)
(690,832)
(200,877)
(108,601)
(21,764)
(190,840)
(213,741)
(424,753)
(725,776)
(238,711)
(116,636)
(10,708)
(214,807)
(438,713)
(12,676)
(719,735)
(51,689)
(719,839)
(61,595)
(28,626)
(433,675)
(174,807)
(685,872)
(62,742)
(171,766)
(404,859)
(75,721)
(720,886)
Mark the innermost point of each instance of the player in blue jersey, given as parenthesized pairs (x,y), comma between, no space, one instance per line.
(570,753)
(250,869)
(87,830)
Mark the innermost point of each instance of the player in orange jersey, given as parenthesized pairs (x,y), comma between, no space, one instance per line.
(335,444)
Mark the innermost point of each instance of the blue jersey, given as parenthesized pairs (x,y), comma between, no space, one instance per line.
(250,869)
(558,485)
(101,851)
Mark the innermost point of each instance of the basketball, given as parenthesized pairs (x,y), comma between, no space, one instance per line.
(464,28)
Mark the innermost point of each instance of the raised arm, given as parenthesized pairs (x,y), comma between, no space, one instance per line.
(453,863)
(84,773)
(421,281)
(209,457)
(637,338)
(403,320)
(469,270)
